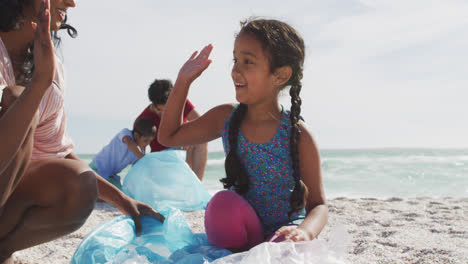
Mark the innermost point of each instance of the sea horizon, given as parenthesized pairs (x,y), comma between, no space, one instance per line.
(349,148)
(374,172)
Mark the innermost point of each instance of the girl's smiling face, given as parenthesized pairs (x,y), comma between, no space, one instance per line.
(251,71)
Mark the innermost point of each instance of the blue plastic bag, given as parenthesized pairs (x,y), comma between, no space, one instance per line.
(163,179)
(169,242)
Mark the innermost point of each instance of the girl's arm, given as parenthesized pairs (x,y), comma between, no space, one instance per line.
(172,131)
(316,204)
(133,147)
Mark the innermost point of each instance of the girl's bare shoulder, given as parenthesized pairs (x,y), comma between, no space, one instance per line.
(222,112)
(306,138)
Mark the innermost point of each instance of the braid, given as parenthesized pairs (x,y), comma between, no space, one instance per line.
(236,174)
(297,197)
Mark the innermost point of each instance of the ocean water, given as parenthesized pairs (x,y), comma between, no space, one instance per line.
(379,173)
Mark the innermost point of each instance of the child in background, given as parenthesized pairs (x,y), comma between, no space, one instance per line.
(126,148)
(272,164)
(158,92)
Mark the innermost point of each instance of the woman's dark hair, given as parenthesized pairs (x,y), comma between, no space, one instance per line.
(159,91)
(144,127)
(283,47)
(11,13)
(12,18)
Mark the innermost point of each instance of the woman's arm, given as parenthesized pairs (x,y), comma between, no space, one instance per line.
(127,205)
(15,121)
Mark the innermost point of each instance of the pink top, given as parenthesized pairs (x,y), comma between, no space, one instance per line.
(50,137)
(7,77)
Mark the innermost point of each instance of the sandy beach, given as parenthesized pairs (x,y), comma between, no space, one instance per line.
(413,230)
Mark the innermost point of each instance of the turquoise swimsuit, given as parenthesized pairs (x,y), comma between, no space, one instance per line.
(270,172)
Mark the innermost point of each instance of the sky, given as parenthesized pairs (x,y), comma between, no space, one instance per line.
(383,73)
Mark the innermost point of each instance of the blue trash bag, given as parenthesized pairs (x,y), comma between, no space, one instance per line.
(163,179)
(172,242)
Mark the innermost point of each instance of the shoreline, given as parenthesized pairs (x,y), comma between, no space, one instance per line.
(394,230)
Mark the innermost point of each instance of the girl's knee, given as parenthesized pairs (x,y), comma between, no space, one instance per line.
(230,203)
(225,199)
(230,221)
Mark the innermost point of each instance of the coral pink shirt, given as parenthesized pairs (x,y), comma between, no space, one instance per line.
(50,137)
(7,77)
(155,145)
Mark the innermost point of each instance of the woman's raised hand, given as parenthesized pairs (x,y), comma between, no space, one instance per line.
(44,60)
(195,65)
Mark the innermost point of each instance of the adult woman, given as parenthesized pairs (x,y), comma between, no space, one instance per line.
(45,190)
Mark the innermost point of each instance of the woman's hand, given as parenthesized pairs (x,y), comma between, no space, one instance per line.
(195,65)
(44,59)
(124,203)
(292,233)
(136,209)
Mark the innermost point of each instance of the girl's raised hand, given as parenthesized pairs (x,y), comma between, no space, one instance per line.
(195,65)
(44,60)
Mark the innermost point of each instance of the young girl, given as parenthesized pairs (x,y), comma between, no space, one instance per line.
(272,163)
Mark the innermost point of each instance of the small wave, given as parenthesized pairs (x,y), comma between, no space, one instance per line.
(215,162)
